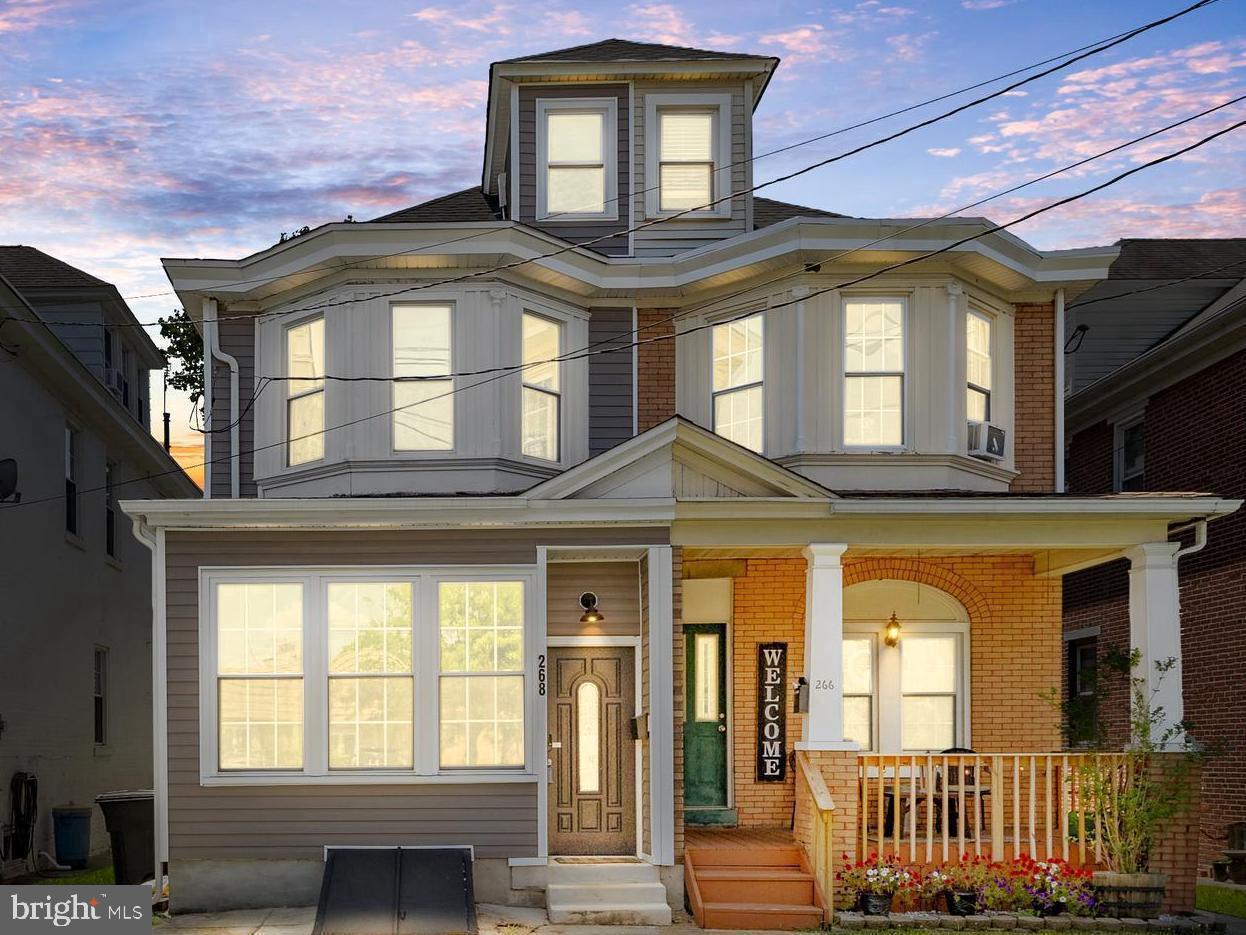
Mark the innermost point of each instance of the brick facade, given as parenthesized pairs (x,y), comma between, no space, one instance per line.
(1034,433)
(655,367)
(1182,453)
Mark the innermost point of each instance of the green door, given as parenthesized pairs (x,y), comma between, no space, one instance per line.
(705,719)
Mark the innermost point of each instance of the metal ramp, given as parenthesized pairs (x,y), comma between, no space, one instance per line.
(397,891)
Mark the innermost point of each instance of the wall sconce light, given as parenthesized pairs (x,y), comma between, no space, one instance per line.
(588,600)
(891,633)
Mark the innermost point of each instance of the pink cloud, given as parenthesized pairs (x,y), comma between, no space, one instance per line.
(909,47)
(800,42)
(662,22)
(27,15)
(950,152)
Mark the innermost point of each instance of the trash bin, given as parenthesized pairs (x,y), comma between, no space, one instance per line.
(71,830)
(130,818)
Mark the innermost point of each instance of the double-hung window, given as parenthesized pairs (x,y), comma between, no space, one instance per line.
(305,392)
(325,674)
(929,679)
(978,367)
(100,698)
(542,387)
(423,404)
(1130,460)
(577,142)
(110,509)
(737,387)
(71,480)
(874,373)
(858,685)
(686,158)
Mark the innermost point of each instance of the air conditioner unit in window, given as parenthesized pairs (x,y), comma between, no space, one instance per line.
(987,441)
(112,380)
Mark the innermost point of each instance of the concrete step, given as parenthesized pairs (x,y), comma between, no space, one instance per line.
(604,894)
(638,914)
(631,871)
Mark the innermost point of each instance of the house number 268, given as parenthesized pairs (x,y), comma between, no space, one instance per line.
(540,675)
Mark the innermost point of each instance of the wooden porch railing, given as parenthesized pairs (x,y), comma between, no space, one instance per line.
(821,850)
(941,808)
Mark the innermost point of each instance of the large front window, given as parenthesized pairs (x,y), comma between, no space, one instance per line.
(576,146)
(874,373)
(424,401)
(542,387)
(305,392)
(331,674)
(738,350)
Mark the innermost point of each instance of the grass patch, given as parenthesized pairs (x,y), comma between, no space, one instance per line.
(98,877)
(1228,900)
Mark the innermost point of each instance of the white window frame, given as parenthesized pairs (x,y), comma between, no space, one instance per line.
(720,105)
(608,107)
(989,392)
(756,384)
(845,373)
(888,704)
(286,463)
(1119,429)
(860,631)
(426,665)
(559,442)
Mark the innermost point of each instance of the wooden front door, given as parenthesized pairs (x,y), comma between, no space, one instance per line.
(592,801)
(705,717)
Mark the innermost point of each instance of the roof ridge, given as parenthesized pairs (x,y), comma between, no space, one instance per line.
(553,54)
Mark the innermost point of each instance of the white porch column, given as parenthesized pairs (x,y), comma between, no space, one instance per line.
(824,648)
(661,703)
(1155,626)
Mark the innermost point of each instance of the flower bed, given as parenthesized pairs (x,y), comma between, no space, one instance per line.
(970,887)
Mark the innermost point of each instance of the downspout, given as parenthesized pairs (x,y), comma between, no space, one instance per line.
(207,410)
(1200,538)
(209,316)
(154,541)
(1059,416)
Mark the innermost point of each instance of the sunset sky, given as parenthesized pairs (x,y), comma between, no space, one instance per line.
(135,130)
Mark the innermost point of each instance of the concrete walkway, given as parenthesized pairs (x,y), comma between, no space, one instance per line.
(493,920)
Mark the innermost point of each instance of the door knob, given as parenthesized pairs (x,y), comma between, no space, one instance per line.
(722,728)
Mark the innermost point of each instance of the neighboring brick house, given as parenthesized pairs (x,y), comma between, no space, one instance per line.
(1157,401)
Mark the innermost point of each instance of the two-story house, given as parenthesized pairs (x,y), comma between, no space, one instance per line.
(534,509)
(75,666)
(1156,379)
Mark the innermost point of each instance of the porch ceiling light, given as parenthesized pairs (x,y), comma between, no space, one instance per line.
(891,634)
(588,600)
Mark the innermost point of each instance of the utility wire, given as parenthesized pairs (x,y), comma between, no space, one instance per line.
(1162,285)
(664,219)
(666,337)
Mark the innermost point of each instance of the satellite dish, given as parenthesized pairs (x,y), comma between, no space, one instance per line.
(8,480)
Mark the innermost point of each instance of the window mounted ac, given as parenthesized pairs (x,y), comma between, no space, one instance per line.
(987,441)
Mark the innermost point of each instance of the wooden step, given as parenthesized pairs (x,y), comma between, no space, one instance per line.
(763,916)
(746,856)
(783,885)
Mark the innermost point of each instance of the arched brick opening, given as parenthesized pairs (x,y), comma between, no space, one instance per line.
(921,572)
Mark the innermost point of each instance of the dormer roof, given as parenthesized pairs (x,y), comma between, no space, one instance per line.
(624,50)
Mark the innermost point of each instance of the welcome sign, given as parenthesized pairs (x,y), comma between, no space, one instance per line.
(772,712)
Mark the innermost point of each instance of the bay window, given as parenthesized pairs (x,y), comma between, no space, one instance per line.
(737,391)
(305,367)
(978,367)
(874,372)
(330,675)
(576,145)
(541,395)
(421,347)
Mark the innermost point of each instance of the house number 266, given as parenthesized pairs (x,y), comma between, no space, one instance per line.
(540,675)
(823,684)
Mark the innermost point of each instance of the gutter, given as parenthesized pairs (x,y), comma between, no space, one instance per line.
(213,333)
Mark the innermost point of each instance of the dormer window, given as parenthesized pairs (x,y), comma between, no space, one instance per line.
(305,392)
(738,348)
(978,367)
(423,407)
(542,387)
(688,154)
(577,143)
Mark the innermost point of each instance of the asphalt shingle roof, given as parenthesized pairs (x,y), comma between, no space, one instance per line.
(1178,258)
(28,268)
(471,204)
(623,50)
(767,211)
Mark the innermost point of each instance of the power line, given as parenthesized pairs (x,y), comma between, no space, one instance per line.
(1163,285)
(476,274)
(666,337)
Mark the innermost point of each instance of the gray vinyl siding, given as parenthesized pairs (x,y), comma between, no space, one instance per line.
(617,586)
(670,237)
(611,419)
(238,340)
(70,323)
(575,231)
(499,820)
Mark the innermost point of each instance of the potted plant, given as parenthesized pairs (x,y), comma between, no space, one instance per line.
(1130,801)
(1054,887)
(960,885)
(874,882)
